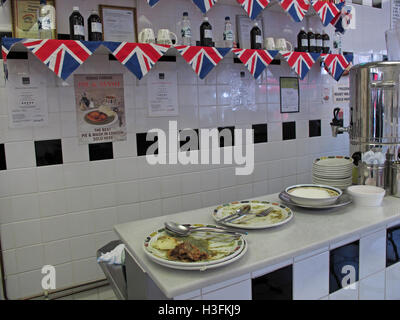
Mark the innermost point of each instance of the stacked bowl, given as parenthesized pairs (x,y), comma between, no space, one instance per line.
(334,171)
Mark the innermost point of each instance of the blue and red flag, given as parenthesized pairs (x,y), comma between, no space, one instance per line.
(336,64)
(253,7)
(152,3)
(255,60)
(300,62)
(202,59)
(297,9)
(326,10)
(139,58)
(204,5)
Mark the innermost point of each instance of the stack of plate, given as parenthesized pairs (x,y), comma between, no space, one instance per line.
(335,171)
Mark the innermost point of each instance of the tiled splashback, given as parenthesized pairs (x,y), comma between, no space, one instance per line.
(60,209)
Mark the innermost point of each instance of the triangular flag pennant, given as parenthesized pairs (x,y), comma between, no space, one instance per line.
(337,21)
(202,59)
(297,9)
(255,60)
(139,58)
(253,7)
(61,56)
(336,64)
(300,62)
(152,3)
(204,5)
(326,10)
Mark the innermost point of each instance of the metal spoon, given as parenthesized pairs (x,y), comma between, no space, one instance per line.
(185,230)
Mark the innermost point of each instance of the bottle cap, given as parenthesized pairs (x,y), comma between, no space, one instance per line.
(185,14)
(75,8)
(303,28)
(205,18)
(310,29)
(256,24)
(94,12)
(227,18)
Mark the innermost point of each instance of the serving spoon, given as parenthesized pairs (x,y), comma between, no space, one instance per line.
(183,230)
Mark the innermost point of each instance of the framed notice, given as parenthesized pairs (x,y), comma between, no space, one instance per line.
(119,23)
(24,18)
(290,94)
(100,107)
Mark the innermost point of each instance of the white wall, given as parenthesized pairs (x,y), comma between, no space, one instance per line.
(52,215)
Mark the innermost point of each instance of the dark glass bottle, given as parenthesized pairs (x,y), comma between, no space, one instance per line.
(325,43)
(318,42)
(256,37)
(302,41)
(95,28)
(311,41)
(76,25)
(206,36)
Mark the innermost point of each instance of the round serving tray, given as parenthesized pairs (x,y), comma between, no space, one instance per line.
(342,201)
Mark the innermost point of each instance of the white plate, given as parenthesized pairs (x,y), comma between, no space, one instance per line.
(158,256)
(99,125)
(333,161)
(210,266)
(343,200)
(252,222)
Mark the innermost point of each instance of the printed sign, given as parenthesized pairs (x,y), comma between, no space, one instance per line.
(341,93)
(100,108)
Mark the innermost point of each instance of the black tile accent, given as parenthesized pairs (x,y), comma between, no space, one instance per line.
(377,4)
(193,137)
(260,133)
(289,130)
(15,55)
(277,285)
(227,143)
(314,128)
(63,36)
(48,152)
(3,163)
(347,255)
(393,245)
(101,151)
(142,144)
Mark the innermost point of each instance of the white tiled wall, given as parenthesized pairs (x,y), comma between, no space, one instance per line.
(61,214)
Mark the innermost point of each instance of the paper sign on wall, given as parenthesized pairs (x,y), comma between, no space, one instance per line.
(162,92)
(27,101)
(341,93)
(100,108)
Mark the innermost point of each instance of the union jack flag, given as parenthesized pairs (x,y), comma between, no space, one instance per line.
(326,10)
(204,5)
(255,60)
(202,59)
(152,3)
(139,58)
(336,64)
(297,9)
(61,56)
(253,7)
(300,62)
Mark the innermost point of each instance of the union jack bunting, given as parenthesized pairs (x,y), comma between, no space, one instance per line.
(336,64)
(139,58)
(300,62)
(253,7)
(297,9)
(152,3)
(326,10)
(337,20)
(255,60)
(202,59)
(204,5)
(61,56)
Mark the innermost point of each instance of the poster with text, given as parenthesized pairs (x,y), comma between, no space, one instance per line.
(100,108)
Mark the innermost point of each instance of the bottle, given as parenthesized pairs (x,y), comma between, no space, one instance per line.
(76,25)
(206,36)
(337,43)
(318,42)
(255,37)
(186,30)
(228,33)
(95,28)
(311,41)
(46,20)
(325,42)
(302,41)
